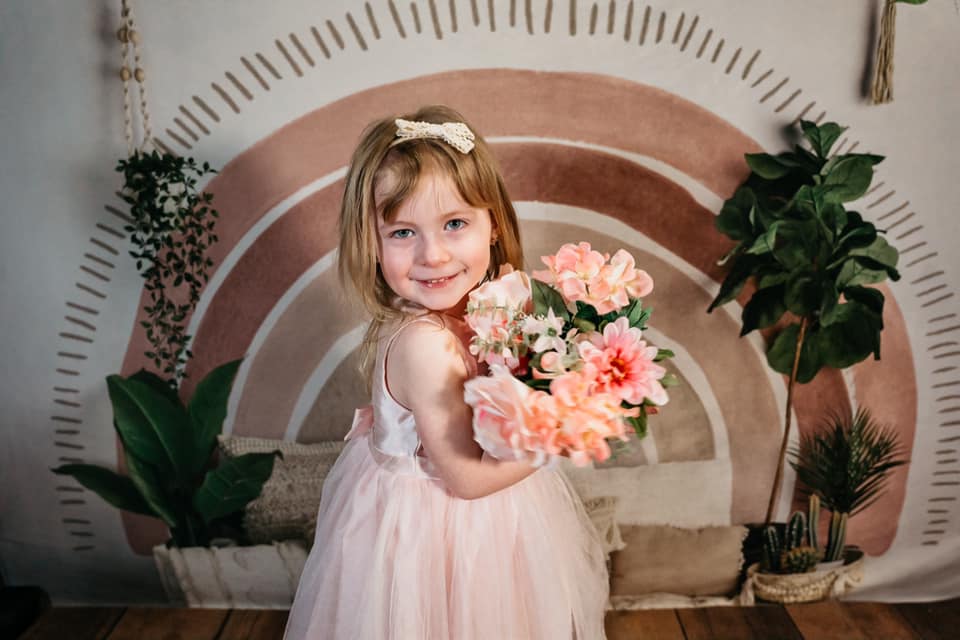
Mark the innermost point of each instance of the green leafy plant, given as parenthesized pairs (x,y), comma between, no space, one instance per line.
(810,260)
(168,449)
(846,465)
(172,226)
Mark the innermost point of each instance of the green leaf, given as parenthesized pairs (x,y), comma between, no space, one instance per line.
(233,484)
(803,294)
(766,166)
(911,1)
(849,179)
(867,296)
(741,270)
(781,353)
(208,408)
(853,335)
(155,487)
(829,297)
(880,251)
(151,426)
(765,243)
(639,424)
(546,297)
(157,383)
(734,217)
(853,273)
(821,137)
(765,307)
(663,354)
(116,489)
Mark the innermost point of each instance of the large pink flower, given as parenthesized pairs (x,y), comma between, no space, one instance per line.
(580,273)
(510,420)
(624,364)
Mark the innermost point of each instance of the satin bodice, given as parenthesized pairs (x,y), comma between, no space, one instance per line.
(390,425)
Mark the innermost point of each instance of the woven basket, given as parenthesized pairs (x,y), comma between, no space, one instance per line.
(790,588)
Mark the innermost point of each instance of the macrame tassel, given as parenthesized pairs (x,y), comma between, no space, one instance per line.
(882,90)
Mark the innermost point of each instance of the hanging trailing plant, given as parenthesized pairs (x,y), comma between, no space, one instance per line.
(810,259)
(172,228)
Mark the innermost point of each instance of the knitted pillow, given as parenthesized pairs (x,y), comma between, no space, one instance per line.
(287,506)
(602,512)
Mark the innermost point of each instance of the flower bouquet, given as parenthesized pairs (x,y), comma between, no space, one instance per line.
(568,366)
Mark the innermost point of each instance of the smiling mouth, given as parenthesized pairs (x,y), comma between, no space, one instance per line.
(437,282)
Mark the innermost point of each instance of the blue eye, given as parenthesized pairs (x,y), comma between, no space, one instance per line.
(457,224)
(401,234)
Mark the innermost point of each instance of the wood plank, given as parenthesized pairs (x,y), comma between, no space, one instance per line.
(933,620)
(825,620)
(254,624)
(147,623)
(84,623)
(649,624)
(761,622)
(879,620)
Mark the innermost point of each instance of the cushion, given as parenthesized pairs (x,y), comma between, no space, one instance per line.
(602,512)
(684,494)
(666,559)
(287,506)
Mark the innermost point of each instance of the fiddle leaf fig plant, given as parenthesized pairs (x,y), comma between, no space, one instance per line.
(810,259)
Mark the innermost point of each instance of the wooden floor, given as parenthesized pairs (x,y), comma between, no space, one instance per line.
(846,621)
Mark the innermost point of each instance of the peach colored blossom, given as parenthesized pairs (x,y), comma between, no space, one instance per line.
(581,274)
(624,364)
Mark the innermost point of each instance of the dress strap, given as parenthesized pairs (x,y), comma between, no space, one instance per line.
(386,353)
(426,318)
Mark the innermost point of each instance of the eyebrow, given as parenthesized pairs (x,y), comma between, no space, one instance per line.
(450,214)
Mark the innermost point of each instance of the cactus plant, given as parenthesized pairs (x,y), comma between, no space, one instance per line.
(796,531)
(813,522)
(771,550)
(802,559)
(838,533)
(846,464)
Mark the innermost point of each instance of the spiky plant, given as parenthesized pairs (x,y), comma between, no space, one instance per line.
(846,464)
(801,559)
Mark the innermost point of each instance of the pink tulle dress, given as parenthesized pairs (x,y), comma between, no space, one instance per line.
(398,557)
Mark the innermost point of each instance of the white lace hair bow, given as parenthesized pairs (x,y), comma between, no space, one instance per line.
(456,134)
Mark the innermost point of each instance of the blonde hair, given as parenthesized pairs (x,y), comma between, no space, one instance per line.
(379,153)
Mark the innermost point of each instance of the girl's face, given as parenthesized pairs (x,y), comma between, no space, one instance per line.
(437,248)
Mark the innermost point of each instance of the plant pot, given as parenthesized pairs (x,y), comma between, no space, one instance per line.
(816,585)
(263,576)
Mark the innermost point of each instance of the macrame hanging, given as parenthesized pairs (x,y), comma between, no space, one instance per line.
(881,91)
(128,34)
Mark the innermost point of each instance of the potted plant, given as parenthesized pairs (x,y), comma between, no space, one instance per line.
(810,260)
(791,570)
(845,466)
(169,446)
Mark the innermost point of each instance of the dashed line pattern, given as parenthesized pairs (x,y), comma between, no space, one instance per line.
(184,129)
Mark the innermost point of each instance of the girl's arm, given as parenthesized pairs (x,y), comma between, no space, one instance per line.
(426,373)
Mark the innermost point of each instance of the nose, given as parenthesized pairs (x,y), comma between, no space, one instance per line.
(433,250)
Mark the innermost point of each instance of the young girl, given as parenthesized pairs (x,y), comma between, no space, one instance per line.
(420,534)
